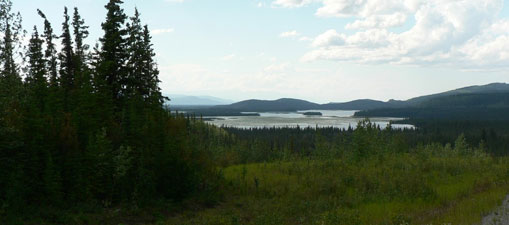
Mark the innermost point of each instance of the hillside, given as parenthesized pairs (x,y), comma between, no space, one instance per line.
(362,104)
(478,89)
(488,97)
(470,106)
(283,104)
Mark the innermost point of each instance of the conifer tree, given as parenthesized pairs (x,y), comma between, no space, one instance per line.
(67,67)
(80,30)
(111,74)
(10,79)
(36,78)
(134,79)
(80,34)
(151,75)
(50,53)
(12,191)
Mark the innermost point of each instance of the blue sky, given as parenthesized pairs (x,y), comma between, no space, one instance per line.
(319,50)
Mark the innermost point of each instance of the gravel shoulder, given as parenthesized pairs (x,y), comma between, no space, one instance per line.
(499,216)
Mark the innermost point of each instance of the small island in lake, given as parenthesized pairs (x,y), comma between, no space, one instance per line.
(312,114)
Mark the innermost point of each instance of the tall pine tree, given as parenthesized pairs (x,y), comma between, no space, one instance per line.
(12,191)
(151,74)
(36,81)
(111,74)
(67,66)
(50,53)
(10,79)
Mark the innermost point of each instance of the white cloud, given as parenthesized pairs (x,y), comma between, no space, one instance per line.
(305,39)
(290,3)
(458,33)
(277,67)
(287,34)
(162,31)
(228,57)
(329,38)
(379,21)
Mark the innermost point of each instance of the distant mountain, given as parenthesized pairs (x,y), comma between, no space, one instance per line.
(283,104)
(362,104)
(473,101)
(487,102)
(478,89)
(183,100)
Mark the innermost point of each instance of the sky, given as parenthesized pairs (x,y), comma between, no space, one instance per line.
(318,50)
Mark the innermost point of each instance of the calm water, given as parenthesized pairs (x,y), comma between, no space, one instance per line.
(329,118)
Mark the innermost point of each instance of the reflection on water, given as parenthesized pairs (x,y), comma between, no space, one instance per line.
(329,118)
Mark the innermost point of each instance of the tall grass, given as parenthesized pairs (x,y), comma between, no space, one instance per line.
(434,186)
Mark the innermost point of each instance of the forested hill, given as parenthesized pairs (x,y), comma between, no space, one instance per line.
(289,104)
(490,95)
(361,104)
(284,104)
(469,106)
(471,90)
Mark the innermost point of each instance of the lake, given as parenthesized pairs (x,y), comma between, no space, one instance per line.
(329,118)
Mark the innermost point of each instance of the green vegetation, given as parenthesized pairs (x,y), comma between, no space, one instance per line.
(375,185)
(312,114)
(85,132)
(85,138)
(402,189)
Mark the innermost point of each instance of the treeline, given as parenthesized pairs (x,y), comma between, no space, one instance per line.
(275,144)
(82,126)
(442,113)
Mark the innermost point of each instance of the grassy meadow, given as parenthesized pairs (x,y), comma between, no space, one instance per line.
(430,185)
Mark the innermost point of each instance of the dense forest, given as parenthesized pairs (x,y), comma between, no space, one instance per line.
(86,137)
(86,127)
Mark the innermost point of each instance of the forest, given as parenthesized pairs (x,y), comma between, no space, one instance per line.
(87,137)
(84,128)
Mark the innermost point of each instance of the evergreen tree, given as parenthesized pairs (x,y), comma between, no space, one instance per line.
(50,53)
(111,71)
(151,78)
(10,79)
(36,78)
(143,74)
(80,34)
(89,128)
(135,65)
(12,191)
(85,112)
(67,67)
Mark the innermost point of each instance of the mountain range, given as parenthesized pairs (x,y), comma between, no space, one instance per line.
(489,100)
(186,100)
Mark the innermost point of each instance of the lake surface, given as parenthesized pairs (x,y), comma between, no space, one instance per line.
(329,118)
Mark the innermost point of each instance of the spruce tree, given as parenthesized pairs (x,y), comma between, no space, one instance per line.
(80,31)
(111,74)
(67,66)
(50,53)
(134,79)
(83,78)
(151,74)
(10,79)
(12,187)
(36,78)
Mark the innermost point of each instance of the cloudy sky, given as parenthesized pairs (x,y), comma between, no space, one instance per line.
(319,50)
